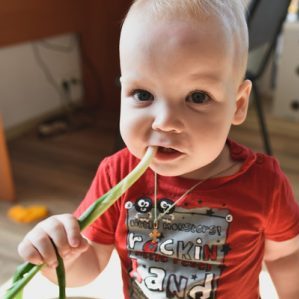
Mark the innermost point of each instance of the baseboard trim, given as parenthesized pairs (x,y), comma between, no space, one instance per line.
(25,126)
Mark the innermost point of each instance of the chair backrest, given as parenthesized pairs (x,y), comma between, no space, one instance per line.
(265,19)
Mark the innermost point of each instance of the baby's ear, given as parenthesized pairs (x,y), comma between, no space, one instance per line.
(242,102)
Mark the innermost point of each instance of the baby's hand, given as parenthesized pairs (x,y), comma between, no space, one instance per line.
(63,230)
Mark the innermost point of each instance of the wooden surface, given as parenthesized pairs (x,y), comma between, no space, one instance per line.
(54,171)
(7,189)
(98,24)
(57,171)
(100,59)
(23,21)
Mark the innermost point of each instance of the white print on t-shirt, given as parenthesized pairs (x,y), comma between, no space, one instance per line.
(187,260)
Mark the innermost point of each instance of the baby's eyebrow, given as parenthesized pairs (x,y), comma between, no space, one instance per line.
(207,76)
(133,80)
(127,79)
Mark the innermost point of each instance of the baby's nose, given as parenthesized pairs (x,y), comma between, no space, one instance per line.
(168,118)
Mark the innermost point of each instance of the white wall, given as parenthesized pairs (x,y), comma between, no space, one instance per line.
(31,76)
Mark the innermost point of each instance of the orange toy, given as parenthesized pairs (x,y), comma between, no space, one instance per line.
(23,214)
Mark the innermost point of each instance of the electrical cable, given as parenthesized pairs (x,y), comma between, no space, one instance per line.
(55,126)
(60,48)
(85,60)
(69,122)
(48,75)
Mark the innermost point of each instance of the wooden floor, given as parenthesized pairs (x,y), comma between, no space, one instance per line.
(57,171)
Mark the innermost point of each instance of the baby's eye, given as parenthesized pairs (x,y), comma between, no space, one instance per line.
(198,97)
(142,95)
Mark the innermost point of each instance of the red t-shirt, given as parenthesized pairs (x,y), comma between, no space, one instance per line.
(212,243)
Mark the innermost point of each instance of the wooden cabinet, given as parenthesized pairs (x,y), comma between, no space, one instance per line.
(97,21)
(22,21)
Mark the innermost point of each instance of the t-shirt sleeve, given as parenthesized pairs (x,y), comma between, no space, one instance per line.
(283,218)
(103,229)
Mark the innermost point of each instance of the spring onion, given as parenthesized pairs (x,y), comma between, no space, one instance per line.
(60,273)
(26,271)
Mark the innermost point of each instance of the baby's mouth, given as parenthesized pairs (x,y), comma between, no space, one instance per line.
(169,150)
(164,153)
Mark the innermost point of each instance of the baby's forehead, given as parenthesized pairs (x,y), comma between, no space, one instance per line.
(228,20)
(180,26)
(230,15)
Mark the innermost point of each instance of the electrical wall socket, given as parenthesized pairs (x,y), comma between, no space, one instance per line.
(71,86)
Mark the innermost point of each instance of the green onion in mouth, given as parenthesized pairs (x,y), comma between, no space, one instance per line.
(26,271)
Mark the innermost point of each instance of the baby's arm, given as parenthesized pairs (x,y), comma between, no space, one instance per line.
(83,259)
(282,260)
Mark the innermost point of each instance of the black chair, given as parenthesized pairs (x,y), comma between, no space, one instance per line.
(265,19)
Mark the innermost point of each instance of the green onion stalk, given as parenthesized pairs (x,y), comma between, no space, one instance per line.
(26,271)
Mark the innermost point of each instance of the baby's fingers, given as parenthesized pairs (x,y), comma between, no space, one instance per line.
(83,246)
(57,232)
(29,253)
(37,248)
(72,230)
(77,244)
(61,230)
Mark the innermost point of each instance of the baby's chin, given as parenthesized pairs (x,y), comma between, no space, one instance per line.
(168,171)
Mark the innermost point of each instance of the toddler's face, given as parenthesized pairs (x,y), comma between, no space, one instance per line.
(179,92)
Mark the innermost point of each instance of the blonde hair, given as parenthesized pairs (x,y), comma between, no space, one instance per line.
(233,12)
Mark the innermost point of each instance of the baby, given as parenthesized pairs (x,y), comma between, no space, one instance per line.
(206,214)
